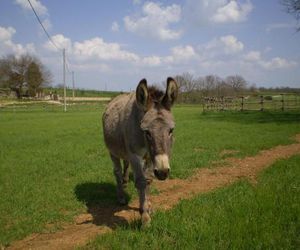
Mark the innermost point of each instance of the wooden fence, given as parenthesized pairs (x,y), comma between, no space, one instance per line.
(259,103)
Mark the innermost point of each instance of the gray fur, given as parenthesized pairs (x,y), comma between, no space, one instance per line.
(138,128)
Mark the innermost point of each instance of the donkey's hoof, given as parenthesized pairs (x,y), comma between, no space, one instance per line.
(146,220)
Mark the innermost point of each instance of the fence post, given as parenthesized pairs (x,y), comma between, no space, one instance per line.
(242,104)
(222,103)
(261,103)
(282,102)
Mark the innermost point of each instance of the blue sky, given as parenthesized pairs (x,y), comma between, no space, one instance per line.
(113,44)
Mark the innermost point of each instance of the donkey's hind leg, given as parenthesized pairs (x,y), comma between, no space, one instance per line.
(125,173)
(119,178)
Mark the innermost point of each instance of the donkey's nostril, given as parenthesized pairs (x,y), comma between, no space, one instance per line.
(161,174)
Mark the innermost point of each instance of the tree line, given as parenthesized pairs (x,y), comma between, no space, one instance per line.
(192,89)
(25,75)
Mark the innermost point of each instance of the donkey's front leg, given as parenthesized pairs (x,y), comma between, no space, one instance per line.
(119,178)
(142,185)
(144,206)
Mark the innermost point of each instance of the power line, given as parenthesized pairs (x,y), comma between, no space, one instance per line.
(65,59)
(49,37)
(39,20)
(47,34)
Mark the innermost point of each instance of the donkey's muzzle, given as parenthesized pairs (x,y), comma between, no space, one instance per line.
(161,174)
(162,167)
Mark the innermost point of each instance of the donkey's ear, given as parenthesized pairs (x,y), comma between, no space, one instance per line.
(142,94)
(171,93)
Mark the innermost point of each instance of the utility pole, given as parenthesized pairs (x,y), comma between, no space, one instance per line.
(64,77)
(73,85)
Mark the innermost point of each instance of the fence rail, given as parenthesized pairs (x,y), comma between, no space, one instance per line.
(259,103)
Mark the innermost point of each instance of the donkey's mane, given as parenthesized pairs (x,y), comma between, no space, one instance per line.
(155,93)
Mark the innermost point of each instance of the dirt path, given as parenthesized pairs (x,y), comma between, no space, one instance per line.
(99,220)
(97,98)
(60,102)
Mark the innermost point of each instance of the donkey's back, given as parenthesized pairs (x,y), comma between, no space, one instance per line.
(114,121)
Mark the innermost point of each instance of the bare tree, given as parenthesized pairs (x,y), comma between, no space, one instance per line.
(189,82)
(237,82)
(194,89)
(34,79)
(15,69)
(223,88)
(24,72)
(4,68)
(199,84)
(293,7)
(210,84)
(185,82)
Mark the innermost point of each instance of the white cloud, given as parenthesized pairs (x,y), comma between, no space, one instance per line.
(152,61)
(181,54)
(178,55)
(223,56)
(224,45)
(185,52)
(60,41)
(97,48)
(267,49)
(155,21)
(47,24)
(203,12)
(8,46)
(232,45)
(276,26)
(255,57)
(115,27)
(277,63)
(37,5)
(41,10)
(252,56)
(6,33)
(232,11)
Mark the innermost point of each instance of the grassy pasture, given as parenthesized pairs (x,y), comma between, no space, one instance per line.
(82,92)
(52,163)
(242,216)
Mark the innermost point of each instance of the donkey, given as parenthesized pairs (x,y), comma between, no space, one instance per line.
(138,128)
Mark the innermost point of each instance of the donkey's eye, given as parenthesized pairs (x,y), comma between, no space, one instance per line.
(171,131)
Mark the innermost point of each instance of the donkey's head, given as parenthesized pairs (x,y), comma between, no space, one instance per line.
(158,123)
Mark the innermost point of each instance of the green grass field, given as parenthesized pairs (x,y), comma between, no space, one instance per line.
(82,92)
(49,159)
(242,216)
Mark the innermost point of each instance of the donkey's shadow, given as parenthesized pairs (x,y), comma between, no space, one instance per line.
(100,199)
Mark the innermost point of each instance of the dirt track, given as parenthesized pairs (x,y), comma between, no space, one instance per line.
(60,102)
(99,220)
